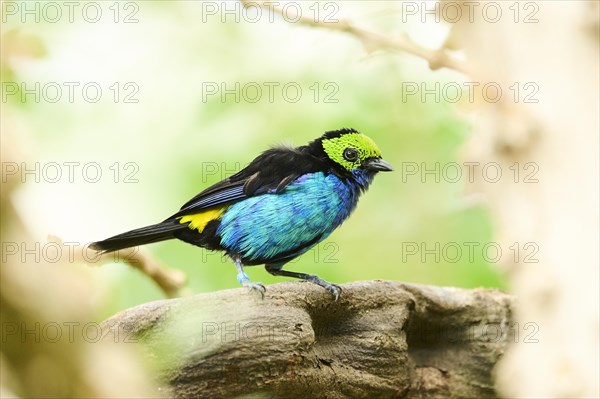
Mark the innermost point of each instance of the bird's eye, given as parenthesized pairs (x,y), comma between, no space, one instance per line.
(350,155)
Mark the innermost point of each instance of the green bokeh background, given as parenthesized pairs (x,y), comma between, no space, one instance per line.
(181,140)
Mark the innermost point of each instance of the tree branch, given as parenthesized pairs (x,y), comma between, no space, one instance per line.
(376,41)
(381,339)
(170,281)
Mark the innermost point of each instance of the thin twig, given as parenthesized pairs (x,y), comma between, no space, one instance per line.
(170,281)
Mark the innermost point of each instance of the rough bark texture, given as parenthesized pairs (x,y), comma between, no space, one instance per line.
(381,339)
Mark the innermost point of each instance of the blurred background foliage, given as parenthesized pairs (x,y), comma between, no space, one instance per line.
(177,140)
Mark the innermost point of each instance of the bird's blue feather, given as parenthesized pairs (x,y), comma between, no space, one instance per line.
(287,224)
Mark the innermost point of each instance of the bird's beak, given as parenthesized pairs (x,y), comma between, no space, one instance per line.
(377,164)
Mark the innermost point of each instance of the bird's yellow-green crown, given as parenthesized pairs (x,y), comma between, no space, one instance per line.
(350,149)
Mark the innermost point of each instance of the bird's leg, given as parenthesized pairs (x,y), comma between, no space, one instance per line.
(276,270)
(244,280)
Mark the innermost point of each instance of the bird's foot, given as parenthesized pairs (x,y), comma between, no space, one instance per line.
(259,287)
(245,281)
(334,289)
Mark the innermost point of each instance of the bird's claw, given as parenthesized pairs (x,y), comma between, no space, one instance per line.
(335,290)
(259,287)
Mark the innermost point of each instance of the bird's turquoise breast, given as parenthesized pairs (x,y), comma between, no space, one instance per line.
(269,227)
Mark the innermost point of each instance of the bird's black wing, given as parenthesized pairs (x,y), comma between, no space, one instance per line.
(270,172)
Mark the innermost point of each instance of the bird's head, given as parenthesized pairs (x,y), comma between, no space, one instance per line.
(348,151)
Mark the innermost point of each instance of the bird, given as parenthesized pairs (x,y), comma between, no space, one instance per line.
(283,203)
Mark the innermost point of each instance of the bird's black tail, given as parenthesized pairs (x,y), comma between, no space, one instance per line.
(145,235)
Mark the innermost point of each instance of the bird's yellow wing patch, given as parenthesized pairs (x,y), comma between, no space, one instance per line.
(198,221)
